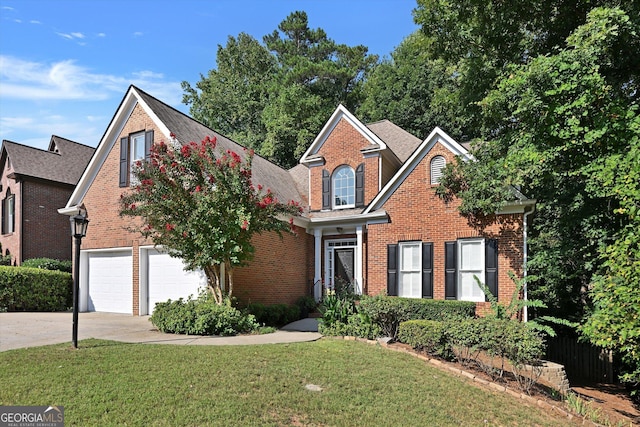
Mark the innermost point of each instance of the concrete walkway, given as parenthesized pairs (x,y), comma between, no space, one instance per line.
(20,330)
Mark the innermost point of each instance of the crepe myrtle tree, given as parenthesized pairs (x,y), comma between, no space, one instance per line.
(201,204)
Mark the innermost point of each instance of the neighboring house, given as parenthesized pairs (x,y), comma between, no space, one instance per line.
(33,184)
(371,218)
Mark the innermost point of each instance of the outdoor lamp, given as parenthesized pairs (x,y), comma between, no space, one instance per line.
(79,224)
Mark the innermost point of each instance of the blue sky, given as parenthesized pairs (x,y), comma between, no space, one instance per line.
(66,64)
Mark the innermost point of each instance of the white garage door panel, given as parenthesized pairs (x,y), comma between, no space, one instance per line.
(110,282)
(169,280)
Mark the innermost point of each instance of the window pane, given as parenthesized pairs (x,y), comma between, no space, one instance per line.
(137,147)
(469,289)
(410,285)
(410,270)
(471,255)
(344,189)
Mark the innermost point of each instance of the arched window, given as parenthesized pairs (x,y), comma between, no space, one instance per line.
(437,164)
(344,188)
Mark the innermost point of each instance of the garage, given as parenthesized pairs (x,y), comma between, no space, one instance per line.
(166,279)
(110,287)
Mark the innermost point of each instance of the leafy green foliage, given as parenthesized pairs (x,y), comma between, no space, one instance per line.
(201,316)
(33,289)
(278,95)
(202,205)
(389,312)
(430,336)
(273,315)
(48,264)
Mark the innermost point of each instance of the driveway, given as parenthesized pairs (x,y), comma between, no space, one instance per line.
(19,330)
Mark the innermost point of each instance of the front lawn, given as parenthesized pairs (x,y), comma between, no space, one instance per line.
(109,383)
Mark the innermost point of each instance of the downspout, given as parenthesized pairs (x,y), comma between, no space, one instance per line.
(525,312)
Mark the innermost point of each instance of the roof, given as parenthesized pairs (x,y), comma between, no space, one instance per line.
(64,162)
(185,129)
(401,142)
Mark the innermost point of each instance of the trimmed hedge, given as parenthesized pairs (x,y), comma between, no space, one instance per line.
(48,264)
(33,289)
(388,312)
(430,336)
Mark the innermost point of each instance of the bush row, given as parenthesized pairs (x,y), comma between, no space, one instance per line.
(488,343)
(371,317)
(32,289)
(201,316)
(48,264)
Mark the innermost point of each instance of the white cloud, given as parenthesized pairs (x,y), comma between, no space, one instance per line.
(138,34)
(33,21)
(102,35)
(7,8)
(18,21)
(78,35)
(66,36)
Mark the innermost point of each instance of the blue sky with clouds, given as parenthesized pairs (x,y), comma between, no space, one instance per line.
(66,64)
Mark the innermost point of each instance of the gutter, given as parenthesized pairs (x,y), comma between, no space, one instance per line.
(525,311)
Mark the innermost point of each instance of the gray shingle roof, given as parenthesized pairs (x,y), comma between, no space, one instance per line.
(401,142)
(187,129)
(64,162)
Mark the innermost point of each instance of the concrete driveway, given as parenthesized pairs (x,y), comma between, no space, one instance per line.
(19,330)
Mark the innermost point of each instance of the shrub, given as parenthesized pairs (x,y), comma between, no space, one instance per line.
(273,315)
(336,308)
(48,264)
(356,325)
(201,316)
(31,289)
(430,336)
(306,304)
(5,260)
(388,312)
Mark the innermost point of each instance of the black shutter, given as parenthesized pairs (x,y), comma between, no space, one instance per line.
(326,189)
(491,266)
(427,270)
(124,162)
(450,270)
(360,185)
(148,142)
(392,270)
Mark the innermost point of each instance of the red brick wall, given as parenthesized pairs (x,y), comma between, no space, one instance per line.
(417,213)
(281,271)
(46,233)
(342,147)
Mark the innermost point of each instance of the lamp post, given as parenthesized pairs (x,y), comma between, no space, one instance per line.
(79,225)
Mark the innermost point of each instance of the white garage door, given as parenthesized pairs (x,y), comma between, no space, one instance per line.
(110,282)
(168,279)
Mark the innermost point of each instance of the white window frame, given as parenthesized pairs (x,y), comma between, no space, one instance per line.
(436,166)
(350,187)
(467,272)
(10,211)
(134,140)
(414,271)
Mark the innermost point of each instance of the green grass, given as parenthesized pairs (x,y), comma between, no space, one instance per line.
(108,383)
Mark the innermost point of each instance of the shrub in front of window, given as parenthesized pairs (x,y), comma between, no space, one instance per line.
(273,315)
(388,312)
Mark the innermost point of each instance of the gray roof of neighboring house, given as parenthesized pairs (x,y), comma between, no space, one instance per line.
(187,129)
(64,162)
(401,142)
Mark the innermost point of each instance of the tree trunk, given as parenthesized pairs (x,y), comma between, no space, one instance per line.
(230,275)
(213,281)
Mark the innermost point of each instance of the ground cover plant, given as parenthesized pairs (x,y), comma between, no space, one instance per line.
(107,383)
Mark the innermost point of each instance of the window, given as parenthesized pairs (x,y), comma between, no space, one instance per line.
(410,269)
(465,259)
(8,213)
(344,188)
(409,283)
(470,264)
(133,148)
(437,164)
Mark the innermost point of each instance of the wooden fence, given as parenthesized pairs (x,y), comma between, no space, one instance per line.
(582,361)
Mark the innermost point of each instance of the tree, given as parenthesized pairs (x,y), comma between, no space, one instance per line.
(280,94)
(203,207)
(416,92)
(245,70)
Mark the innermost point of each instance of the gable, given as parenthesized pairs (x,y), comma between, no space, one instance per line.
(437,138)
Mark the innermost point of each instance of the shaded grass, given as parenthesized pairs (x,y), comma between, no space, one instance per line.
(109,383)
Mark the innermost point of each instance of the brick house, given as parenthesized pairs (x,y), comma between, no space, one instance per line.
(371,218)
(33,185)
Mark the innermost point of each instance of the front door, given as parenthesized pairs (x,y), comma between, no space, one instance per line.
(343,274)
